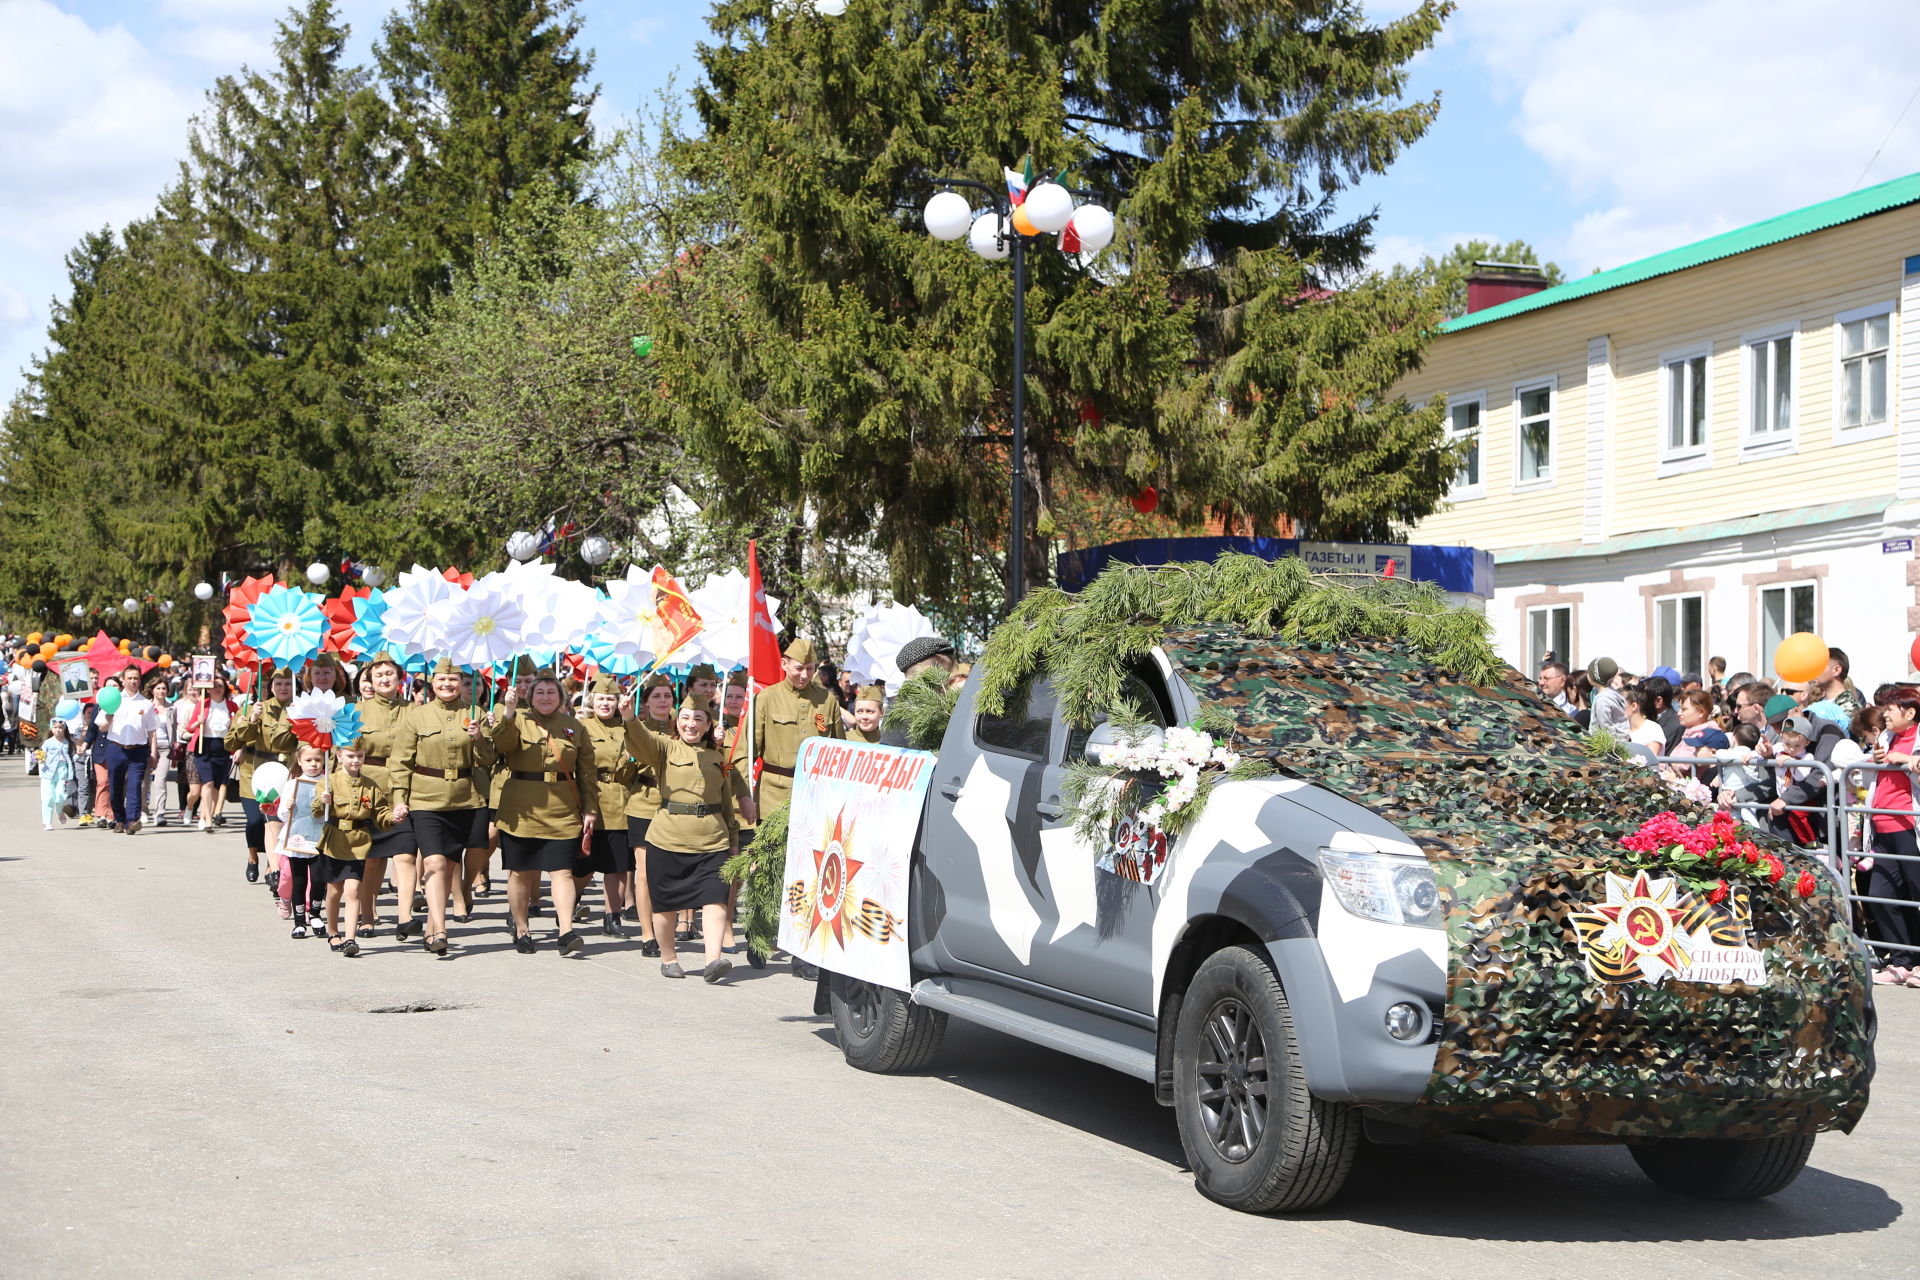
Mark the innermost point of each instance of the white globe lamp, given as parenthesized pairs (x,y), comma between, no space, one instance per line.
(1049,207)
(522,546)
(1094,226)
(79,611)
(318,574)
(130,604)
(985,238)
(948,216)
(373,575)
(596,550)
(203,591)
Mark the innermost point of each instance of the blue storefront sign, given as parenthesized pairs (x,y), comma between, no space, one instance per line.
(1465,570)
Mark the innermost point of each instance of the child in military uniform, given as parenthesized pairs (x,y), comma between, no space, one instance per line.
(357,807)
(868,705)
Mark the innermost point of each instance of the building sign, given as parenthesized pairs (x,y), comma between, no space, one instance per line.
(1358,557)
(1894,546)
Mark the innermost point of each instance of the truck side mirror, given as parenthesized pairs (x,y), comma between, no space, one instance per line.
(1107,734)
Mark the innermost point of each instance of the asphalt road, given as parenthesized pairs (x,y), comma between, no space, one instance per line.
(188,1092)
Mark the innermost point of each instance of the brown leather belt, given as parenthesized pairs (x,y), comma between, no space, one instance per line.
(527,775)
(776,769)
(377,760)
(692,810)
(456,774)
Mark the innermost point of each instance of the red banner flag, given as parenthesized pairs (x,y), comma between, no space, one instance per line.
(763,642)
(675,620)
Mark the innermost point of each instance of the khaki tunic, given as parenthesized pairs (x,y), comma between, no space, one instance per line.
(856,734)
(783,718)
(267,737)
(643,787)
(361,807)
(434,737)
(612,770)
(558,749)
(690,776)
(380,726)
(741,766)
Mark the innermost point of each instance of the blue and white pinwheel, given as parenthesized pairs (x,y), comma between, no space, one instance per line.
(600,653)
(288,627)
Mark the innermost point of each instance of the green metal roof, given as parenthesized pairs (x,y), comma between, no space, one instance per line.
(1765,522)
(1818,217)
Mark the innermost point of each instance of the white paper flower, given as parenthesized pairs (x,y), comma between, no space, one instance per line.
(877,639)
(725,606)
(416,613)
(484,624)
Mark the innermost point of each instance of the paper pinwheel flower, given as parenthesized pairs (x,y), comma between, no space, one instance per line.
(238,612)
(369,623)
(601,654)
(340,617)
(287,627)
(416,612)
(324,720)
(725,606)
(483,626)
(877,637)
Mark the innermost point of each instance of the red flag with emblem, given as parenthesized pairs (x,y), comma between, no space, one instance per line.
(763,642)
(675,620)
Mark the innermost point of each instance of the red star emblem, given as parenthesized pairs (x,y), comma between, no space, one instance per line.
(834,871)
(1647,923)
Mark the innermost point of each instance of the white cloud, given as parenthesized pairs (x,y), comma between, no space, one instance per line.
(1675,120)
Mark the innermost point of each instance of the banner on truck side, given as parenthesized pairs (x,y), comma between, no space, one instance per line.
(850,831)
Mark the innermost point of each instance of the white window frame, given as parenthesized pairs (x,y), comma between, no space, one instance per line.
(1843,434)
(1760,606)
(1469,492)
(1536,651)
(1677,461)
(1774,444)
(1679,664)
(1551,385)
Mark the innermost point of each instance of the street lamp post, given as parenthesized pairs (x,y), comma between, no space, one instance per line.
(1013,217)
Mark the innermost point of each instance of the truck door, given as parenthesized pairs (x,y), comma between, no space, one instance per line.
(1098,936)
(982,837)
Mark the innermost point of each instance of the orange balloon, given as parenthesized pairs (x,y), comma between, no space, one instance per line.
(63,639)
(34,637)
(1022,223)
(48,650)
(126,646)
(1802,656)
(166,660)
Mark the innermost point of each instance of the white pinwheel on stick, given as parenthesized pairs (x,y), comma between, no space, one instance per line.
(725,605)
(417,610)
(877,637)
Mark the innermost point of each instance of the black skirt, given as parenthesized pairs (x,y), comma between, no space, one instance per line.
(479,837)
(445,832)
(637,833)
(612,852)
(340,870)
(679,881)
(396,841)
(524,853)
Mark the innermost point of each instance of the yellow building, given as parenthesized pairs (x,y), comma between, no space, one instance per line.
(1697,453)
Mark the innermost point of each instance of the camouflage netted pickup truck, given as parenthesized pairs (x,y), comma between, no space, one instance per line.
(1420,922)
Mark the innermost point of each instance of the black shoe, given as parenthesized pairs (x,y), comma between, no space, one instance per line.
(273,882)
(523,943)
(253,873)
(650,948)
(804,971)
(683,935)
(716,969)
(350,948)
(437,944)
(406,929)
(570,943)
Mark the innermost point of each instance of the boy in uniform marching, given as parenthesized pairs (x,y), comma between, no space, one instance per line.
(356,806)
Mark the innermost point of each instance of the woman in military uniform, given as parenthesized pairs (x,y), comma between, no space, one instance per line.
(263,734)
(694,832)
(612,849)
(643,800)
(869,704)
(435,771)
(379,726)
(472,872)
(550,800)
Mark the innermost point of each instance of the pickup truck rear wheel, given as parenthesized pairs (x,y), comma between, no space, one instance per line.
(881,1029)
(1724,1168)
(1256,1139)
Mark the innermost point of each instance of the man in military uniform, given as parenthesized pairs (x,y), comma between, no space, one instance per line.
(784,716)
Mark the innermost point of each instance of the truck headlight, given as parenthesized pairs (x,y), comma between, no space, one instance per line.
(1384,886)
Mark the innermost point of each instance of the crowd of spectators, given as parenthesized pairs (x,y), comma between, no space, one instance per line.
(1757,746)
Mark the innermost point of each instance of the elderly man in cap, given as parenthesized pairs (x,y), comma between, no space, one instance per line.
(916,656)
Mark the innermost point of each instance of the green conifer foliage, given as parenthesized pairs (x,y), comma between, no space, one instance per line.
(832,354)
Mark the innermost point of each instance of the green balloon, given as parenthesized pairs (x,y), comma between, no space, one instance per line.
(109,699)
(643,345)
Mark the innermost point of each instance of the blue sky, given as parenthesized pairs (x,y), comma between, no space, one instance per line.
(1599,130)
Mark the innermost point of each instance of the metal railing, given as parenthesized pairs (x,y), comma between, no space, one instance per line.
(1844,816)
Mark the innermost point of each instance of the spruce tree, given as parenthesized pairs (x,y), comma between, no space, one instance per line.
(827,352)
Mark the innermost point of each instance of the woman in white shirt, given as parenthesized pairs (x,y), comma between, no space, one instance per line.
(214,712)
(154,795)
(1643,721)
(126,748)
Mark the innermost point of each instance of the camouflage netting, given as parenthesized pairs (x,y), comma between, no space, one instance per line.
(1520,824)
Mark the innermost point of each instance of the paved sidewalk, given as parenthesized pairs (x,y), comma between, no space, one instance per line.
(188,1092)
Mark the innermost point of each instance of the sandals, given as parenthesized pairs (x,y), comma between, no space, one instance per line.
(437,943)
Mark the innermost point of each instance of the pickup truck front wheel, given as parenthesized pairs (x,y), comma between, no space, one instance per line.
(1256,1139)
(881,1029)
(1724,1168)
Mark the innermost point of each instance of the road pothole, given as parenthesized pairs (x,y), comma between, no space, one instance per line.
(421,1006)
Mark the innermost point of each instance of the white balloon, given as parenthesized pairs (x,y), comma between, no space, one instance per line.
(948,216)
(1094,226)
(985,238)
(523,546)
(1049,206)
(830,8)
(373,575)
(596,550)
(130,604)
(201,591)
(318,574)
